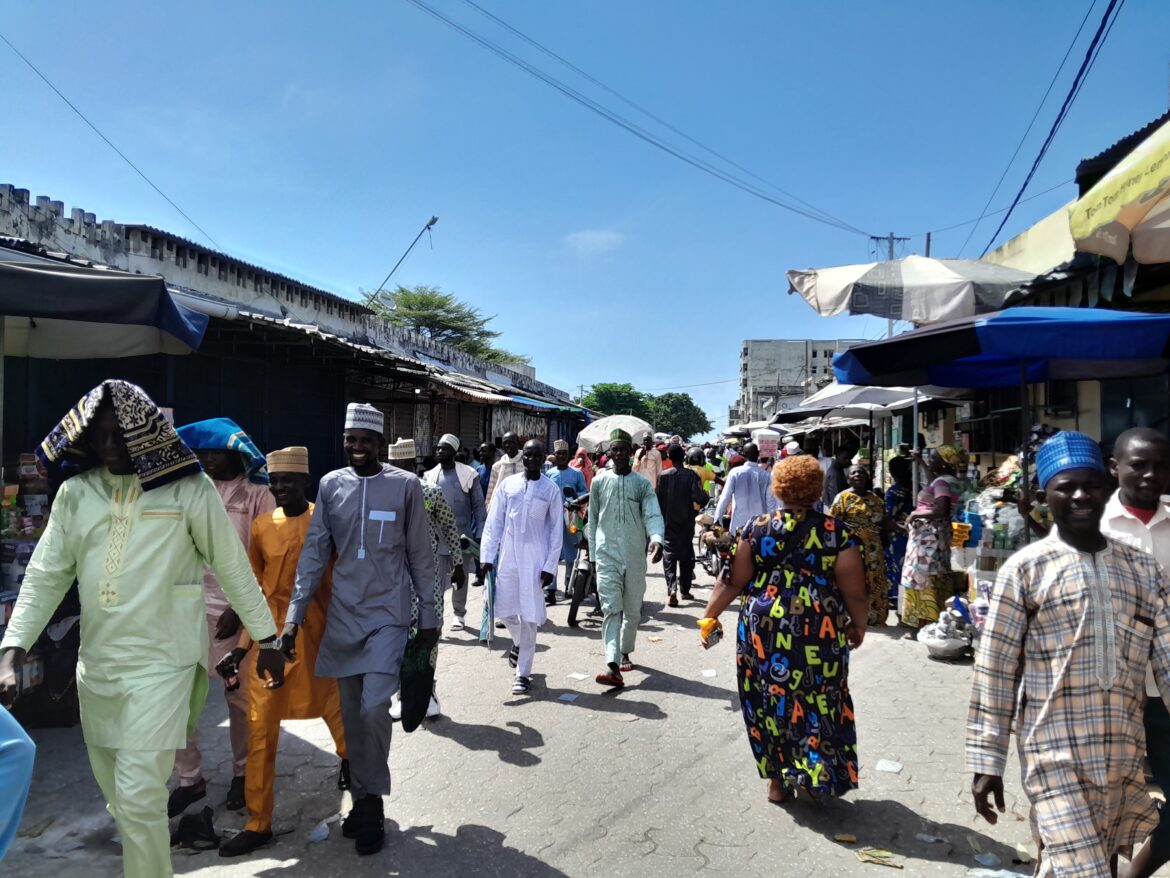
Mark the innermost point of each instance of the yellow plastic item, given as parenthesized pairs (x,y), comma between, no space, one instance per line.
(707,627)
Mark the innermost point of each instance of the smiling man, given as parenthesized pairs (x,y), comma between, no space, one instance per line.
(372,516)
(1075,620)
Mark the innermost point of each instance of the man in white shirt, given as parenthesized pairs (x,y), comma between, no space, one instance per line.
(748,489)
(648,461)
(1138,514)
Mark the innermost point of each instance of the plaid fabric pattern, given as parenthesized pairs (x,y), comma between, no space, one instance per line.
(1063,658)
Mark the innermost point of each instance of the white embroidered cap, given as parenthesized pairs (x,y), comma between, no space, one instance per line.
(363,416)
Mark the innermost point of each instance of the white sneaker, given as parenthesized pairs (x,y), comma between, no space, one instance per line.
(396,710)
(434,709)
(457,624)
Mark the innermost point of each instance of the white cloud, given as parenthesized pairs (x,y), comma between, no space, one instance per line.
(594,242)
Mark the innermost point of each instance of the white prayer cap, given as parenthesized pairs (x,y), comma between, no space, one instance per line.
(403,449)
(451,440)
(363,416)
(560,445)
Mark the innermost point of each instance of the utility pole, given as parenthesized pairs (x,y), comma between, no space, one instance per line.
(889,240)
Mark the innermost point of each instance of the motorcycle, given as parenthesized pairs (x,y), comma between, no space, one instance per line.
(712,543)
(583,580)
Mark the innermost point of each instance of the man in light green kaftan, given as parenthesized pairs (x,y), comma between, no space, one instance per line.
(135,530)
(623,515)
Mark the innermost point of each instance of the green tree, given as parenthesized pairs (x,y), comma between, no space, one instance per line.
(617,399)
(444,318)
(677,413)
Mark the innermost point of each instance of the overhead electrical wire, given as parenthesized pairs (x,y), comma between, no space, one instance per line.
(651,115)
(109,142)
(991,212)
(1094,49)
(625,124)
(1031,122)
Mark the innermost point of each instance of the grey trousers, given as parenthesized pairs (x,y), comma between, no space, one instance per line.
(365,712)
(459,595)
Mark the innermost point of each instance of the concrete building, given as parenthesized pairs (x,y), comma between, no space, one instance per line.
(776,374)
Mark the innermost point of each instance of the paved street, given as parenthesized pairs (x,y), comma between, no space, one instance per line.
(656,779)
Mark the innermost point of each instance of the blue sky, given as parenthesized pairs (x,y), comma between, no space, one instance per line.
(318,138)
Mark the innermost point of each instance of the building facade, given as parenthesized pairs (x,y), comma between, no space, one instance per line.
(776,374)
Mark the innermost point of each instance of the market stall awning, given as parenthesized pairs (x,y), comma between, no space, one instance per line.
(57,310)
(1129,206)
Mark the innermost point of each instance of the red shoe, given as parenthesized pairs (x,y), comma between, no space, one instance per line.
(611,678)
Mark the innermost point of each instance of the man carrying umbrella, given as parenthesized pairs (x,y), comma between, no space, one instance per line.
(1076,619)
(623,513)
(372,515)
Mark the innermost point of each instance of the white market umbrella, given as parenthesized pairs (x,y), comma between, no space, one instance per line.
(920,289)
(595,437)
(1129,206)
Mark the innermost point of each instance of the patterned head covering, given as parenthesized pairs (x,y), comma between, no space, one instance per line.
(363,416)
(403,449)
(224,434)
(560,445)
(620,435)
(158,454)
(952,456)
(1067,450)
(450,440)
(294,459)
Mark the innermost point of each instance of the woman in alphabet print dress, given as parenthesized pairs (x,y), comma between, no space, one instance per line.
(804,607)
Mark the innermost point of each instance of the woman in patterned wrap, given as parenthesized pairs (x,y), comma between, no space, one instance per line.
(804,607)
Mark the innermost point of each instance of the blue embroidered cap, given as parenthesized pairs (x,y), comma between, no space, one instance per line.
(1066,450)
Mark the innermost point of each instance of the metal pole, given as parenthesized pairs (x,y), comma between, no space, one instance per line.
(1025,427)
(914,445)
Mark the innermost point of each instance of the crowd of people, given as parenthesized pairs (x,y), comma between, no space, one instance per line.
(194,553)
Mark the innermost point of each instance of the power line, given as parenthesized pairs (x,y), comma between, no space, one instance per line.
(992,212)
(623,123)
(687,386)
(1078,80)
(109,143)
(1031,122)
(641,109)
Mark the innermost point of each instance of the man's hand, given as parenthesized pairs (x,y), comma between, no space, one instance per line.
(427,638)
(982,788)
(230,663)
(228,625)
(270,666)
(459,576)
(655,553)
(10,662)
(288,640)
(485,569)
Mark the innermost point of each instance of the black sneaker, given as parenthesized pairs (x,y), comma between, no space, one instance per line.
(371,830)
(243,843)
(343,775)
(235,800)
(182,798)
(550,598)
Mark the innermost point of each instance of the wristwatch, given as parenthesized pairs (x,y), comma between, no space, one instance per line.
(275,643)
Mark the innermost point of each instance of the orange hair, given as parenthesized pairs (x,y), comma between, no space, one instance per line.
(799,480)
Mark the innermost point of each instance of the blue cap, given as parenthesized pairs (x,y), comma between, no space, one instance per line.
(1067,450)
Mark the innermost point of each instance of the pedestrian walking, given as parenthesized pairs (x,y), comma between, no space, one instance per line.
(237,469)
(623,514)
(17,753)
(863,512)
(372,516)
(584,464)
(747,490)
(680,497)
(648,461)
(508,465)
(571,483)
(460,485)
(1138,514)
(274,549)
(837,472)
(523,532)
(804,609)
(899,502)
(1074,622)
(443,534)
(135,528)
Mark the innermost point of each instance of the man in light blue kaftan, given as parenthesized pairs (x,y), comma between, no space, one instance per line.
(623,514)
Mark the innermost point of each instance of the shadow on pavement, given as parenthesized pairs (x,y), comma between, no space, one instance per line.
(421,850)
(604,701)
(884,823)
(511,747)
(656,680)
